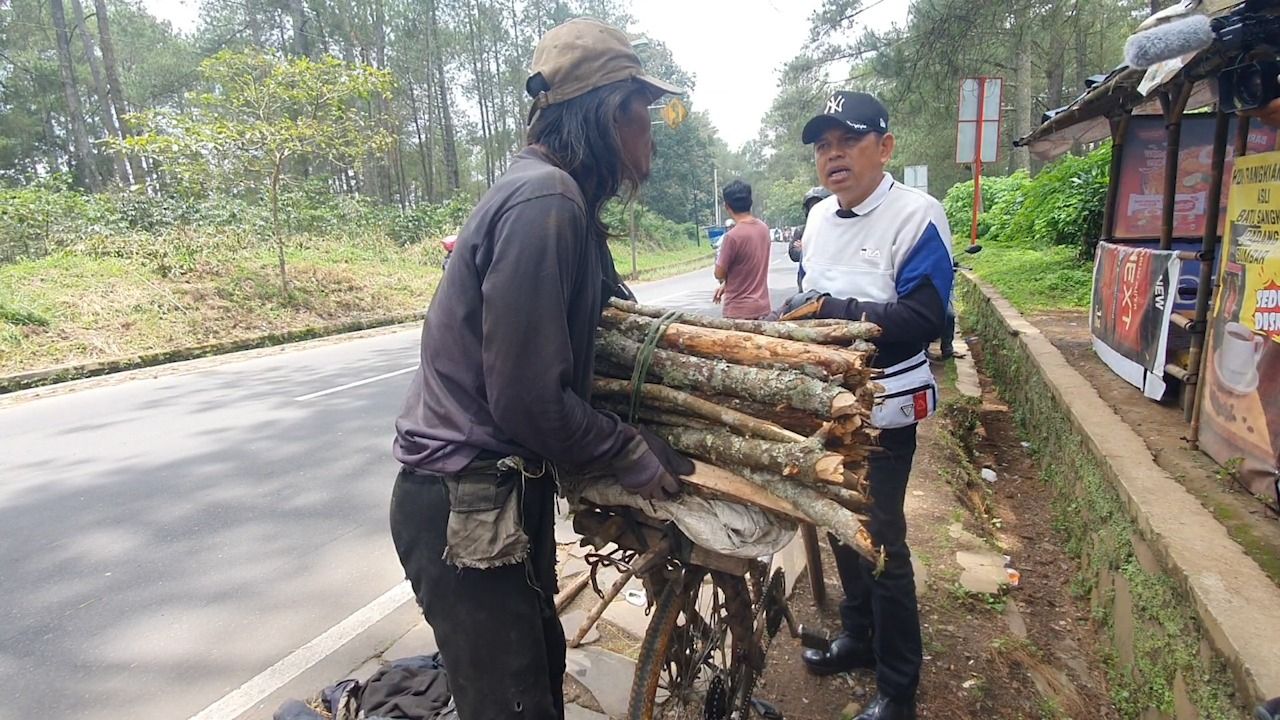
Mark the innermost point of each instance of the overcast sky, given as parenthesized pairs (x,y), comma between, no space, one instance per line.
(733,47)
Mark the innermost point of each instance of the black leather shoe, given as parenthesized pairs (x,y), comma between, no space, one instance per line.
(883,708)
(845,653)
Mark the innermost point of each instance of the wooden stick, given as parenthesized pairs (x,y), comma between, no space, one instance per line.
(819,510)
(638,567)
(567,595)
(806,462)
(743,348)
(834,332)
(713,481)
(698,407)
(813,558)
(771,387)
(651,415)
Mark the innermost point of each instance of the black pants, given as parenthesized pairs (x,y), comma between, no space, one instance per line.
(884,608)
(499,636)
(946,345)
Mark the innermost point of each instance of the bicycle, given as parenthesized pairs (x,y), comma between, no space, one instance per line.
(713,616)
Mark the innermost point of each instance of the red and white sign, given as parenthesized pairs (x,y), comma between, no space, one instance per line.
(980,100)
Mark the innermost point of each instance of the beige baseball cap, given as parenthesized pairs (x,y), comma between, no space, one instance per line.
(582,55)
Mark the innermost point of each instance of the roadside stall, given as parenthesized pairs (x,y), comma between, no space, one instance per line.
(1187,271)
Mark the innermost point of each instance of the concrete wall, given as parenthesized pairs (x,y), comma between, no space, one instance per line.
(1191,623)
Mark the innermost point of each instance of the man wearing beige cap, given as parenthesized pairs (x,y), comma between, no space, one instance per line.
(499,405)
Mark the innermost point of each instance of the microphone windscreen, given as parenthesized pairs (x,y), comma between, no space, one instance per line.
(1168,41)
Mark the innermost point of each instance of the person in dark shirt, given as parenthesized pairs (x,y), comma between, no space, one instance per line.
(499,406)
(795,249)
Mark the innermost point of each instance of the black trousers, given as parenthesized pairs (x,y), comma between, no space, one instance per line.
(500,639)
(946,344)
(884,608)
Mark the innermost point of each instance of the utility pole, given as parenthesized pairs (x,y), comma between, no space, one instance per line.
(715,192)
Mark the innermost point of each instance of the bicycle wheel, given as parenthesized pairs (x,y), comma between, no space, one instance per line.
(696,659)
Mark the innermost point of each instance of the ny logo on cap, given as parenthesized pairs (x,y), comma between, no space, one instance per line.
(835,105)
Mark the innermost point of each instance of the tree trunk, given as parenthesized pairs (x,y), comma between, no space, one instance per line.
(842,333)
(424,146)
(298,18)
(114,87)
(803,461)
(275,226)
(663,396)
(822,361)
(449,146)
(477,65)
(769,387)
(100,88)
(85,166)
(1023,113)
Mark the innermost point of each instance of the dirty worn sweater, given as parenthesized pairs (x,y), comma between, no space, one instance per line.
(507,347)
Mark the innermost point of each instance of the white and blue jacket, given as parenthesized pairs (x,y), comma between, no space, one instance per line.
(888,261)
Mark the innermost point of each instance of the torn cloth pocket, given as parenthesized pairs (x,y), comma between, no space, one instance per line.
(909,395)
(484,529)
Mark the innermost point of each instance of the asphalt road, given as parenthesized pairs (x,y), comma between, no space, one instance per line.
(169,536)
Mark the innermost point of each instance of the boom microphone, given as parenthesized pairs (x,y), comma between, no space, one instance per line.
(1166,42)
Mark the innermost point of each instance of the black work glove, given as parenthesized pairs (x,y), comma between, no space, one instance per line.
(800,306)
(650,468)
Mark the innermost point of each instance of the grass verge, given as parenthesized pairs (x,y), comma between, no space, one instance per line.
(72,308)
(1035,278)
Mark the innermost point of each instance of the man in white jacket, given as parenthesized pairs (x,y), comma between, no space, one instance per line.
(877,250)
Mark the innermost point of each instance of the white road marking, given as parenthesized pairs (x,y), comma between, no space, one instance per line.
(235,703)
(357,383)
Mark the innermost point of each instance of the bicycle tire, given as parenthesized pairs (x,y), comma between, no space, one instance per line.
(660,636)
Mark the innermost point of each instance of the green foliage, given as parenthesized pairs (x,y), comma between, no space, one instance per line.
(1035,278)
(1037,233)
(15,314)
(1060,206)
(999,195)
(257,114)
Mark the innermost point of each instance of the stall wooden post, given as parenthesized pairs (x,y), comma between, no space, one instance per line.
(1208,261)
(1173,108)
(1119,128)
(1211,266)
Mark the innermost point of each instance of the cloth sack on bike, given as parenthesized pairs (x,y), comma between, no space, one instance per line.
(728,528)
(909,394)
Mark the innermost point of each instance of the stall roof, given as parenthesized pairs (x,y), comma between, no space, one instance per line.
(1125,89)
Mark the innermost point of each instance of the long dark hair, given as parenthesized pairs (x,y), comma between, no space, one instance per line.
(581,136)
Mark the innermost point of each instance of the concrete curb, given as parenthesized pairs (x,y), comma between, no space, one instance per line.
(1237,604)
(64,373)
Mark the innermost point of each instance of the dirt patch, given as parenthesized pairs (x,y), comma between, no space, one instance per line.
(1030,653)
(1164,430)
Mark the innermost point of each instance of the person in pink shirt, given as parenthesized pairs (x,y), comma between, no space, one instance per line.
(742,264)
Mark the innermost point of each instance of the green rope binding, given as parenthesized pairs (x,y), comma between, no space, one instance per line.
(644,358)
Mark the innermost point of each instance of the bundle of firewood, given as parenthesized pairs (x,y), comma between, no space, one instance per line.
(777,411)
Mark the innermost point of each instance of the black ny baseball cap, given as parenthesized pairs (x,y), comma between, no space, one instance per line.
(857,111)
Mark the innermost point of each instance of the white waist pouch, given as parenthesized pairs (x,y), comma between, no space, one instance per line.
(909,395)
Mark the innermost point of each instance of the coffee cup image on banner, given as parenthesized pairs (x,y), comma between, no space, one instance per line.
(1237,358)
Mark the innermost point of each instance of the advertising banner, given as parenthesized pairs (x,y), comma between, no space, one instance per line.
(1133,297)
(1240,409)
(1141,199)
